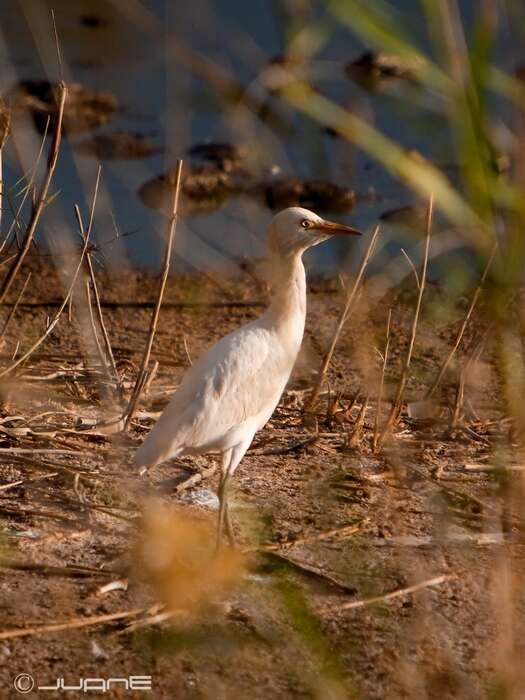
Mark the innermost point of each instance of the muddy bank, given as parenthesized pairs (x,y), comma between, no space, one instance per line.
(345,523)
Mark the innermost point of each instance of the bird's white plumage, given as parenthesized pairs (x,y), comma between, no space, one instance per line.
(229,392)
(233,389)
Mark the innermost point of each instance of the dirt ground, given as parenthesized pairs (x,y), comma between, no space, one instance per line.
(366,523)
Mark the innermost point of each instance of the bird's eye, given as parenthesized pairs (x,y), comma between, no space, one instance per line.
(305,223)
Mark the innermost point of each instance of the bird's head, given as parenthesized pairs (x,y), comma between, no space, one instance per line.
(295,229)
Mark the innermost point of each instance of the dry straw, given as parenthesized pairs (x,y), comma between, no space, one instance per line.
(396,404)
(41,199)
(143,372)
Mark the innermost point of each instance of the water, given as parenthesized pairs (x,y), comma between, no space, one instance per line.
(133,50)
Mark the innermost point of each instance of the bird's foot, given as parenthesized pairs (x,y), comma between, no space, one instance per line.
(230,532)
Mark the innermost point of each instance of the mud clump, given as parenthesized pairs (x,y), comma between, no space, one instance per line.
(115,145)
(319,195)
(223,156)
(374,70)
(204,188)
(85,108)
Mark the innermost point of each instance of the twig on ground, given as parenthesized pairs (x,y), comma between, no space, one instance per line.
(46,514)
(291,447)
(41,199)
(342,320)
(474,467)
(482,539)
(308,569)
(49,570)
(149,621)
(195,479)
(75,623)
(142,375)
(40,477)
(396,404)
(120,584)
(436,581)
(40,450)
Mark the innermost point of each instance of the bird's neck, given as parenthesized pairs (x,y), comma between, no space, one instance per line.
(288,296)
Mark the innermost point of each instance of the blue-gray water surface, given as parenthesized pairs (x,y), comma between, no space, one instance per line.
(132,49)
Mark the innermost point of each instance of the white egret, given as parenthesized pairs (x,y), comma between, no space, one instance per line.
(233,389)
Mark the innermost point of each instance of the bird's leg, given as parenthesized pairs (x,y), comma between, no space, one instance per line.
(223,506)
(229,528)
(230,461)
(224,512)
(222,495)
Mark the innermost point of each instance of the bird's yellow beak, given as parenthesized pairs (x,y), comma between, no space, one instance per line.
(332,228)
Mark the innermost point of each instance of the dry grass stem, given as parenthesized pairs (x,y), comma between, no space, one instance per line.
(26,191)
(382,379)
(93,278)
(94,332)
(53,322)
(458,401)
(396,404)
(412,266)
(187,351)
(41,199)
(108,363)
(463,326)
(57,45)
(142,375)
(463,374)
(342,320)
(75,623)
(357,432)
(5,122)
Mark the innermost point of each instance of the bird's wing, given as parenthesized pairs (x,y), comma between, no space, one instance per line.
(239,378)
